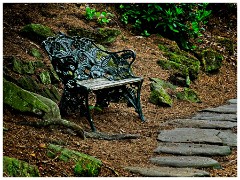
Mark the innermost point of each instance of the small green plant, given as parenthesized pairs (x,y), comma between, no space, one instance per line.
(90,13)
(102,18)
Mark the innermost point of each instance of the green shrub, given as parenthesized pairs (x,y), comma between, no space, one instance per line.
(178,21)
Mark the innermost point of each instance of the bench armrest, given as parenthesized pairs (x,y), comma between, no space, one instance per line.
(122,59)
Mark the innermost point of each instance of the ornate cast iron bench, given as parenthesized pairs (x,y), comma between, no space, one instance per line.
(83,68)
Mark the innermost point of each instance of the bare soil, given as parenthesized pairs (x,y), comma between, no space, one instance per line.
(23,142)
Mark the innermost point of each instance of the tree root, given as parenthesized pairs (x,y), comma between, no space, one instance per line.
(61,122)
(104,136)
(79,131)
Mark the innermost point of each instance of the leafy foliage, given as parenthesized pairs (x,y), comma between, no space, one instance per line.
(180,22)
(102,18)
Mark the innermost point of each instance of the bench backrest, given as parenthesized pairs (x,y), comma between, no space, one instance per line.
(77,58)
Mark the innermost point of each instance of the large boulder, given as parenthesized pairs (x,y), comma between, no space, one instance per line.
(33,76)
(25,101)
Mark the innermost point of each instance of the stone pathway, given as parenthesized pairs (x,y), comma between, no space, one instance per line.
(188,147)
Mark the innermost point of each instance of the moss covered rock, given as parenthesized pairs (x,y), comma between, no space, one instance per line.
(180,63)
(227,44)
(100,35)
(33,76)
(108,35)
(162,93)
(85,165)
(37,32)
(16,168)
(26,101)
(54,112)
(188,95)
(22,100)
(211,60)
(190,62)
(159,95)
(28,83)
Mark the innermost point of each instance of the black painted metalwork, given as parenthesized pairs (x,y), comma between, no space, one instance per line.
(83,68)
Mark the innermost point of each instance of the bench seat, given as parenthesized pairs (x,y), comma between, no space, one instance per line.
(102,83)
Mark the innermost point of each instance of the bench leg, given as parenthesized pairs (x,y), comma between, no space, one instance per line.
(88,114)
(133,97)
(139,107)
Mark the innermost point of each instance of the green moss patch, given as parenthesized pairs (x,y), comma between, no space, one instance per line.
(36,53)
(180,63)
(85,165)
(100,35)
(45,77)
(227,44)
(37,32)
(189,95)
(16,168)
(22,67)
(21,99)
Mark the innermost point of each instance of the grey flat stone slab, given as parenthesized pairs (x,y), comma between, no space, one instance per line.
(203,123)
(228,109)
(189,135)
(228,138)
(186,161)
(189,149)
(168,172)
(215,116)
(232,101)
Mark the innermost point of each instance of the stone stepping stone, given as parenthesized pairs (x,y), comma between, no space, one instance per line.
(228,109)
(228,138)
(203,123)
(186,161)
(189,149)
(232,101)
(215,116)
(168,172)
(188,135)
